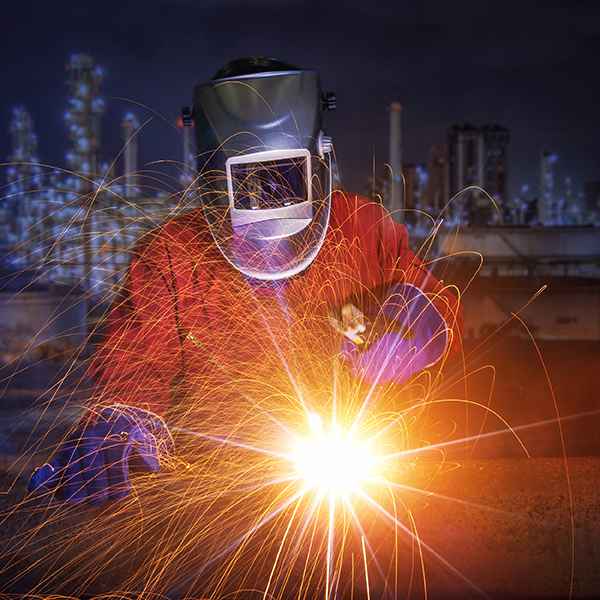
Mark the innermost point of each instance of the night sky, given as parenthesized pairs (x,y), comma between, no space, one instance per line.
(532,66)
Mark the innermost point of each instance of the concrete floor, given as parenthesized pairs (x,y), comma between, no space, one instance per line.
(513,528)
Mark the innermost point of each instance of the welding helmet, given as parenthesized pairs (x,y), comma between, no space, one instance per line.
(264,165)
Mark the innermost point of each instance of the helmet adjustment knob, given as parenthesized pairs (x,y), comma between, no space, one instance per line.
(329,101)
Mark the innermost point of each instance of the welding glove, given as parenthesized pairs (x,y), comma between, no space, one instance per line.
(94,463)
(404,334)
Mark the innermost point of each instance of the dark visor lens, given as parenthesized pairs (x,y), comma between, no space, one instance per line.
(269,184)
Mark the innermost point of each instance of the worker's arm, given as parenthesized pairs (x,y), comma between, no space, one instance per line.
(410,320)
(141,349)
(139,356)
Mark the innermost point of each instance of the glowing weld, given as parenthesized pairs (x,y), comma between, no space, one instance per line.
(331,463)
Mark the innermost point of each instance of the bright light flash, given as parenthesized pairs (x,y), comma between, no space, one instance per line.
(331,463)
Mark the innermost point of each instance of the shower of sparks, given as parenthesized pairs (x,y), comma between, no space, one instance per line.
(281,489)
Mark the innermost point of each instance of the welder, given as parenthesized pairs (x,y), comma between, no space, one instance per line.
(276,277)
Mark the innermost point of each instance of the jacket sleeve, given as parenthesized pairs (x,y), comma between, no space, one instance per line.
(408,268)
(140,353)
(386,259)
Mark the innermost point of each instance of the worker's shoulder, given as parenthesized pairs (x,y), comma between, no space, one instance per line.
(190,222)
(344,199)
(348,206)
(184,229)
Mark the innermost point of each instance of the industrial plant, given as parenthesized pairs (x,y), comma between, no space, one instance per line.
(500,251)
(75,225)
(69,230)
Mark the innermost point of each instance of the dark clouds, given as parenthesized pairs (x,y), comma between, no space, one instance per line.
(531,66)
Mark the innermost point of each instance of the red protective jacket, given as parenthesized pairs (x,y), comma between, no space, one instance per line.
(187,332)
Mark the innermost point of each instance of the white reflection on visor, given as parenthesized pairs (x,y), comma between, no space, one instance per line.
(270,184)
(274,232)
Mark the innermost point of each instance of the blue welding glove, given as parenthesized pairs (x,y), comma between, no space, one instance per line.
(404,334)
(94,463)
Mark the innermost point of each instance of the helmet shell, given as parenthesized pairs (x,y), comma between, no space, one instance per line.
(264,170)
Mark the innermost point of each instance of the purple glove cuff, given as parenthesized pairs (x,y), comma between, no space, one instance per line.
(142,419)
